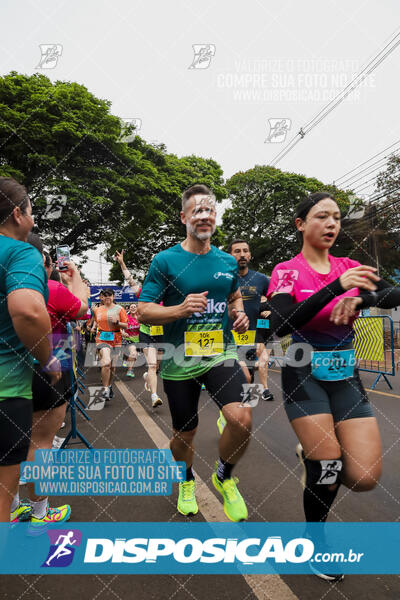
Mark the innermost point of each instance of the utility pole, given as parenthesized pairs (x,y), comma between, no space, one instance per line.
(373,243)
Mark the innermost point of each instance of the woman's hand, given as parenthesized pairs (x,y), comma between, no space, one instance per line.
(359,277)
(344,310)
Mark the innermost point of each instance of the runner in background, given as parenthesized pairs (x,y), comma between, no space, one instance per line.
(316,297)
(130,337)
(253,287)
(149,337)
(109,320)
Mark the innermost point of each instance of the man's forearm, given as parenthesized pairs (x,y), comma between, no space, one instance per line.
(237,304)
(154,314)
(33,331)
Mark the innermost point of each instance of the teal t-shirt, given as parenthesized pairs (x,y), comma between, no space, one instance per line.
(175,273)
(21,267)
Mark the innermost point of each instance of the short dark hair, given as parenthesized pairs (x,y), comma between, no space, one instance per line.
(306,205)
(12,194)
(35,241)
(199,188)
(55,275)
(237,241)
(47,258)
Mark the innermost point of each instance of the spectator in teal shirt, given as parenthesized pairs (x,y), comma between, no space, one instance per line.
(24,328)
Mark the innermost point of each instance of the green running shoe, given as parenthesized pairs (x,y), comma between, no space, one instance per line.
(221,422)
(21,513)
(187,500)
(234,505)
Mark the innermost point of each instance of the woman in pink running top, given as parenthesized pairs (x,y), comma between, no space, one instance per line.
(315,297)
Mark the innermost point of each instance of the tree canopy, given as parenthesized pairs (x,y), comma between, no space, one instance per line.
(264,200)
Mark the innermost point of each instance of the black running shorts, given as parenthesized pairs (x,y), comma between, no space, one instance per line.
(304,395)
(223,383)
(46,396)
(147,340)
(15,430)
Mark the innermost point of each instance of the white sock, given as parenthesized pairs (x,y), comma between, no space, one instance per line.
(39,508)
(15,502)
(154,396)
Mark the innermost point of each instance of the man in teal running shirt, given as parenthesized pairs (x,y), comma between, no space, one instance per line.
(199,287)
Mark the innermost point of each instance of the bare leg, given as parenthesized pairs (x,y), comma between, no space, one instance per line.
(151,358)
(263,358)
(181,446)
(236,434)
(105,363)
(45,425)
(362,453)
(132,357)
(9,476)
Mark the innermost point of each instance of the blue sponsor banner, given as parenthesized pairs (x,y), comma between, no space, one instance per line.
(199,548)
(111,472)
(122,294)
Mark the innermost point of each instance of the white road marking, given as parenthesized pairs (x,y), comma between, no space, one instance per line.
(264,587)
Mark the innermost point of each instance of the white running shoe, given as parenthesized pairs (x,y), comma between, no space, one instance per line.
(155,401)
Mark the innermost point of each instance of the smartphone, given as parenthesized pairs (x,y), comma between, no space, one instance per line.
(63,254)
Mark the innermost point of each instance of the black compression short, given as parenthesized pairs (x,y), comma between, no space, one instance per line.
(305,396)
(15,430)
(46,396)
(146,340)
(223,383)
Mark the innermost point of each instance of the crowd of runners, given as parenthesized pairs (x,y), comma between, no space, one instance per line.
(205,320)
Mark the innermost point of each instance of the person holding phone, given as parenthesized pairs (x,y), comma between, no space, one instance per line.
(24,335)
(66,301)
(109,320)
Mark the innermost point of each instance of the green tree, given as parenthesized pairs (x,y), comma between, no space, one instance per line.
(59,139)
(175,174)
(263,208)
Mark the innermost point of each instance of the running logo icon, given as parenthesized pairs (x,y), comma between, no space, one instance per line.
(127,133)
(96,398)
(203,54)
(278,129)
(50,55)
(54,206)
(287,278)
(62,547)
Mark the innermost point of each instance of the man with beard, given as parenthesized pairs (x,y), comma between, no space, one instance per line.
(253,286)
(199,287)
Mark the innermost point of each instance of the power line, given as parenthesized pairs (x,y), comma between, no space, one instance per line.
(364,163)
(323,113)
(379,164)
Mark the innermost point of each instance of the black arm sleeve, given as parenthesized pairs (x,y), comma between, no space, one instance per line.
(386,296)
(287,317)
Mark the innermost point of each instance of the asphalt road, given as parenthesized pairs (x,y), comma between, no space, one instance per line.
(269,479)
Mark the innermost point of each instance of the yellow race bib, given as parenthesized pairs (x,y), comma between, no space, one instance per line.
(204,343)
(156,330)
(248,338)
